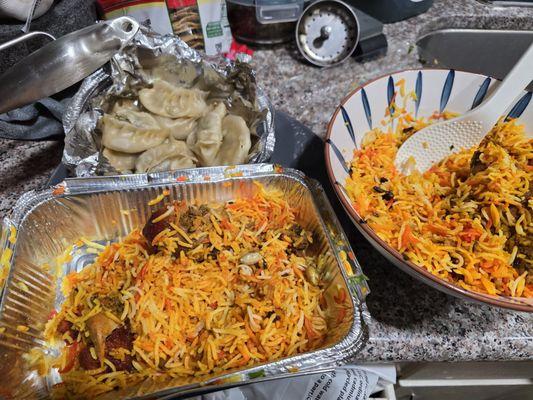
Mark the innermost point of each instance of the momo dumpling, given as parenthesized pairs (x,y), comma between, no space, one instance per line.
(154,159)
(206,141)
(236,143)
(173,163)
(179,128)
(122,162)
(132,131)
(172,101)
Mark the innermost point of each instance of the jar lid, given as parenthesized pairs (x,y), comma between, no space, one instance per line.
(327,32)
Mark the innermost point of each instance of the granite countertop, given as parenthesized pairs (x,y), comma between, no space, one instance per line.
(409,320)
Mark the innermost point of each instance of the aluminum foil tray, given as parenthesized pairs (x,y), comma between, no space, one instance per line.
(48,221)
(168,57)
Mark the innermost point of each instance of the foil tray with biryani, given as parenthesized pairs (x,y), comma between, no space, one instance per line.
(160,105)
(44,224)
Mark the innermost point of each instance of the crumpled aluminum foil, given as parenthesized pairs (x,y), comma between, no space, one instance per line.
(166,56)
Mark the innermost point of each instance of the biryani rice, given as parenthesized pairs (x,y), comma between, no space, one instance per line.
(467,220)
(218,287)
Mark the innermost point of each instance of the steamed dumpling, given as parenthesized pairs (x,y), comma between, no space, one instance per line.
(171,101)
(179,128)
(132,131)
(169,155)
(236,144)
(173,163)
(206,141)
(122,162)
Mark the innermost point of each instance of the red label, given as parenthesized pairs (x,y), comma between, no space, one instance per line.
(112,5)
(174,4)
(237,48)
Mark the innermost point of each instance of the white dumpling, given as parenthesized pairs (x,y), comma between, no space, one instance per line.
(131,131)
(175,151)
(179,128)
(173,163)
(236,143)
(122,162)
(206,141)
(174,102)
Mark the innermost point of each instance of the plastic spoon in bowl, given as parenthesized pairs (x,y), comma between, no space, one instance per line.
(437,141)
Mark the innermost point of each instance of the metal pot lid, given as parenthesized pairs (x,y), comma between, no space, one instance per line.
(327,32)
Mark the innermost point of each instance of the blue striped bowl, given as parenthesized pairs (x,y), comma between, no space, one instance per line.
(365,108)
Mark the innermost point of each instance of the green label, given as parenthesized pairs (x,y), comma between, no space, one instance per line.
(213,29)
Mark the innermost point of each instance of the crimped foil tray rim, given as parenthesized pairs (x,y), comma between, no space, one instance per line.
(344,349)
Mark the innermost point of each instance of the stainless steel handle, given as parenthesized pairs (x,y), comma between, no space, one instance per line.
(64,62)
(23,38)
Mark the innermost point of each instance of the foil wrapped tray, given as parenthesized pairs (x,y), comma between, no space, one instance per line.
(47,222)
(169,58)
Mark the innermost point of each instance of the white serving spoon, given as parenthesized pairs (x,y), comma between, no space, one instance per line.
(437,141)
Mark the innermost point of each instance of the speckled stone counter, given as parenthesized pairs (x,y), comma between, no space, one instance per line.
(409,320)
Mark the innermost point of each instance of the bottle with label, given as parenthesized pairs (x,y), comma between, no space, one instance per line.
(215,26)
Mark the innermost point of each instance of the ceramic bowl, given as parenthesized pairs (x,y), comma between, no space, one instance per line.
(365,108)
